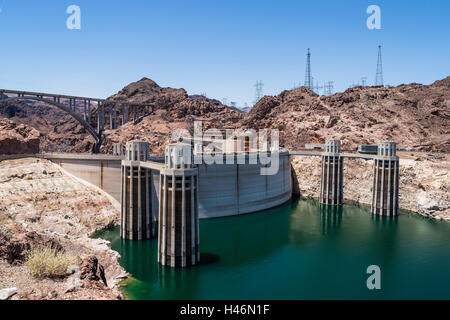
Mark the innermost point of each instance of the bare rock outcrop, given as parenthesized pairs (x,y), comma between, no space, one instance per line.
(92,270)
(18,138)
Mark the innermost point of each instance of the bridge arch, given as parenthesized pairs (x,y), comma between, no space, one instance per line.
(85,124)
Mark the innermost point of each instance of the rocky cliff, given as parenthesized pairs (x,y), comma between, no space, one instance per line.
(18,138)
(173,109)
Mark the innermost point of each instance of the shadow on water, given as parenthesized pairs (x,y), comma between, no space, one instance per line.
(208,258)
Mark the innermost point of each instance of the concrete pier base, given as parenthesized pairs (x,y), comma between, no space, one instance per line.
(332,177)
(386,181)
(178,243)
(137,221)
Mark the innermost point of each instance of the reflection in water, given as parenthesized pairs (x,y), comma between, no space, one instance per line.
(385,227)
(309,222)
(331,218)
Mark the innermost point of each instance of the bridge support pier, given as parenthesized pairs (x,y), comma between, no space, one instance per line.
(386,180)
(115,117)
(85,111)
(178,243)
(89,112)
(331,185)
(136,216)
(110,119)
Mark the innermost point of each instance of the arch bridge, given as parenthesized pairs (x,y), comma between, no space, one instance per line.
(89,112)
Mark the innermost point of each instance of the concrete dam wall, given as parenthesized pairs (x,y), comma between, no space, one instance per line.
(224,189)
(233,189)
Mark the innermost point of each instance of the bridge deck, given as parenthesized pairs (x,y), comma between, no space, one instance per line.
(41,94)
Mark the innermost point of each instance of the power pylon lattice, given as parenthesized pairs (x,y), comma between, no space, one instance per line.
(363,81)
(328,88)
(316,88)
(379,76)
(308,77)
(259,91)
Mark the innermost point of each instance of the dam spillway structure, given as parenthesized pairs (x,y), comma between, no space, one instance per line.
(136,216)
(386,180)
(178,234)
(331,184)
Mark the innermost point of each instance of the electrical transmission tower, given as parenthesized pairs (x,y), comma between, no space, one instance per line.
(259,91)
(379,76)
(308,77)
(364,81)
(316,87)
(328,88)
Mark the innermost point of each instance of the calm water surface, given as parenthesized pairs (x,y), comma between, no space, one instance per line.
(298,251)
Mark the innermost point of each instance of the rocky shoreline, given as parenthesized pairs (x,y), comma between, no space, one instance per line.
(42,206)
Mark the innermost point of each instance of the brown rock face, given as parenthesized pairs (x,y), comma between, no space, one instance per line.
(416,116)
(17,138)
(92,270)
(14,249)
(173,110)
(147,91)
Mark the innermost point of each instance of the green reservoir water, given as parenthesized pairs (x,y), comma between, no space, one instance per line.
(299,251)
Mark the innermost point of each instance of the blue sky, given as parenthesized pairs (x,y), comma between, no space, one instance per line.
(218,47)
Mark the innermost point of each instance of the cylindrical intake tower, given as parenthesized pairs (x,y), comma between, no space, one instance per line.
(178,243)
(385,180)
(136,217)
(331,184)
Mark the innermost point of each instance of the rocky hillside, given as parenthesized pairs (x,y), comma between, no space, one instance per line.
(42,206)
(416,116)
(18,138)
(173,109)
